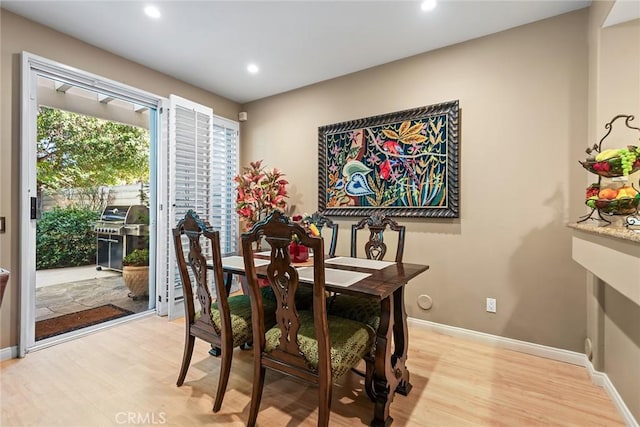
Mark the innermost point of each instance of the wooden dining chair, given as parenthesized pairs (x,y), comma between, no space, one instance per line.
(375,248)
(360,308)
(224,323)
(323,222)
(365,309)
(307,344)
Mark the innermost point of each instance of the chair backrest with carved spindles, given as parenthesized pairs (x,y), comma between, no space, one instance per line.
(196,233)
(376,248)
(283,278)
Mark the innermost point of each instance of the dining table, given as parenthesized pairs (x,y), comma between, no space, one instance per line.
(383,280)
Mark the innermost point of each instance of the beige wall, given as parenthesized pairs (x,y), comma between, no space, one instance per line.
(523,103)
(614,88)
(17,35)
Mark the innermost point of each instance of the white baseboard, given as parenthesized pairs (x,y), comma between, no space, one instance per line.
(598,378)
(601,379)
(8,353)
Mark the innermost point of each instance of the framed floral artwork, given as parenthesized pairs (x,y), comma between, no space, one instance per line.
(404,164)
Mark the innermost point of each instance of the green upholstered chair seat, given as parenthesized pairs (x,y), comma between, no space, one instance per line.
(360,309)
(350,341)
(304,297)
(240,308)
(267,294)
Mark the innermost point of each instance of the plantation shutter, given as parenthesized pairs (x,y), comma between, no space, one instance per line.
(191,180)
(225,167)
(197,169)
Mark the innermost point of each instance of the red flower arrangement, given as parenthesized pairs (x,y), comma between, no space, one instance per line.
(260,192)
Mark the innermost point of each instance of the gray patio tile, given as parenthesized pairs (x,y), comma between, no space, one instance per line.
(55,300)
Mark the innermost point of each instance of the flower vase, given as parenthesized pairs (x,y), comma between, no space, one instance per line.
(298,252)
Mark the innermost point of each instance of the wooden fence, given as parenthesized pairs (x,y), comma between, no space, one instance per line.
(96,198)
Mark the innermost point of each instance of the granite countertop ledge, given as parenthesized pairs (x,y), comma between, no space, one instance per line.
(617,231)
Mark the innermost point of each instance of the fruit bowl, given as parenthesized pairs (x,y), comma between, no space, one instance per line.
(609,168)
(613,166)
(622,206)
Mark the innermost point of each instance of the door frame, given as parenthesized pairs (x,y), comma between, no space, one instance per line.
(32,66)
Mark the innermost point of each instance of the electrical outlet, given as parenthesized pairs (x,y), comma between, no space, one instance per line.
(491,305)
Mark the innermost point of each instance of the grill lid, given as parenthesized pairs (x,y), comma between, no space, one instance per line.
(126,214)
(114,213)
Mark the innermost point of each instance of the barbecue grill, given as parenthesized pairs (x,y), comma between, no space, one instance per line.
(119,231)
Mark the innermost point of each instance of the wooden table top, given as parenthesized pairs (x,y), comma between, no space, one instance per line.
(379,284)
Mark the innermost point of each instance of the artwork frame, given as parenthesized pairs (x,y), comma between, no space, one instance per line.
(403,164)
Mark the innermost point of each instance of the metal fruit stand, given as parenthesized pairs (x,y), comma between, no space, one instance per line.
(617,167)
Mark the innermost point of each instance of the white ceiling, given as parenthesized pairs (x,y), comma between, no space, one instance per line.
(295,43)
(622,11)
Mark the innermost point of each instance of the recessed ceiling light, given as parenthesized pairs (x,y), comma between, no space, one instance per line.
(252,68)
(428,5)
(152,12)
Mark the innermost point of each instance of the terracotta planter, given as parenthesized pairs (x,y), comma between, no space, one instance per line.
(4,278)
(137,280)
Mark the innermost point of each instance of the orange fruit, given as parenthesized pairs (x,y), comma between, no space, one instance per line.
(608,193)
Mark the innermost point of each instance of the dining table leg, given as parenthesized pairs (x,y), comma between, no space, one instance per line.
(391,373)
(228,281)
(400,342)
(384,382)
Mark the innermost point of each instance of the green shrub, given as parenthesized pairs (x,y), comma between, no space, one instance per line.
(65,238)
(137,258)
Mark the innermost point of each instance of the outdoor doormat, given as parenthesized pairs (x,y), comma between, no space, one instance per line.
(70,322)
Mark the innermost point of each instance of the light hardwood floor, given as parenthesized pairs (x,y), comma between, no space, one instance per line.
(126,376)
